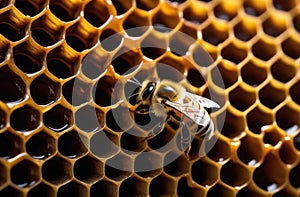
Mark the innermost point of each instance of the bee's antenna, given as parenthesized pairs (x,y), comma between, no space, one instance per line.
(135,81)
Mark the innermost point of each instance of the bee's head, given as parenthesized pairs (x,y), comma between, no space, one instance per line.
(148,90)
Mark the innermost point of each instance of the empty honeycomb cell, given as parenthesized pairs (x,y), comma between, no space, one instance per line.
(132,143)
(294,176)
(162,186)
(242,97)
(133,186)
(271,96)
(195,78)
(41,145)
(234,174)
(3,174)
(58,118)
(44,91)
(215,33)
(3,118)
(61,63)
(273,171)
(296,22)
(257,118)
(72,144)
(31,8)
(13,89)
(126,61)
(185,190)
(80,37)
(220,152)
(181,41)
(170,68)
(274,25)
(254,8)
(41,190)
(118,119)
(110,40)
(4,49)
(136,23)
(119,167)
(287,153)
(272,136)
(12,25)
(291,47)
(204,172)
(10,145)
(76,92)
(122,6)
(65,10)
(103,90)
(220,190)
(287,119)
(245,30)
(96,13)
(282,5)
(46,30)
(266,46)
(253,73)
(295,92)
(250,150)
(11,191)
(57,170)
(283,71)
(25,118)
(195,13)
(25,173)
(153,46)
(73,189)
(104,144)
(249,192)
(104,187)
(160,140)
(165,19)
(226,10)
(88,169)
(177,167)
(89,119)
(148,164)
(29,60)
(146,5)
(234,53)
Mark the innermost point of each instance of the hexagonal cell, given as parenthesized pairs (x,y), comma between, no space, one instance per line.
(204,172)
(13,26)
(273,171)
(136,23)
(202,57)
(41,145)
(249,191)
(295,92)
(220,190)
(88,169)
(146,5)
(162,185)
(245,30)
(58,118)
(132,141)
(103,90)
(235,53)
(134,186)
(46,31)
(224,75)
(226,10)
(235,174)
(166,19)
(10,145)
(253,155)
(242,97)
(57,170)
(254,8)
(122,6)
(195,13)
(31,8)
(283,71)
(271,96)
(283,5)
(104,187)
(3,118)
(44,91)
(291,47)
(272,136)
(162,140)
(215,33)
(287,119)
(25,118)
(170,68)
(78,38)
(3,174)
(104,144)
(10,191)
(109,40)
(13,89)
(119,119)
(257,118)
(73,189)
(274,25)
(25,173)
(181,40)
(76,92)
(294,176)
(185,190)
(220,151)
(253,74)
(264,50)
(287,153)
(65,10)
(96,13)
(41,190)
(296,22)
(72,144)
(195,78)
(297,142)
(119,167)
(148,164)
(175,164)
(62,63)
(89,119)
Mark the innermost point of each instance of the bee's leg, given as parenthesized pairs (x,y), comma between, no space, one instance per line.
(185,140)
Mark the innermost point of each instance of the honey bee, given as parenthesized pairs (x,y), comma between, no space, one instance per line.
(167,99)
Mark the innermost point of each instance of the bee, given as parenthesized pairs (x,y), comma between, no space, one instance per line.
(167,99)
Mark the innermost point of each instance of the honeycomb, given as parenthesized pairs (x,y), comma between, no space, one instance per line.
(54,51)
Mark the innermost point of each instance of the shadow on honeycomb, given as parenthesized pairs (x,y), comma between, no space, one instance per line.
(46,137)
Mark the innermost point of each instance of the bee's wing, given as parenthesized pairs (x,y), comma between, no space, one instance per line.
(205,102)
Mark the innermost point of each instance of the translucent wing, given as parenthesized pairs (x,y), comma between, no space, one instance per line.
(205,102)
